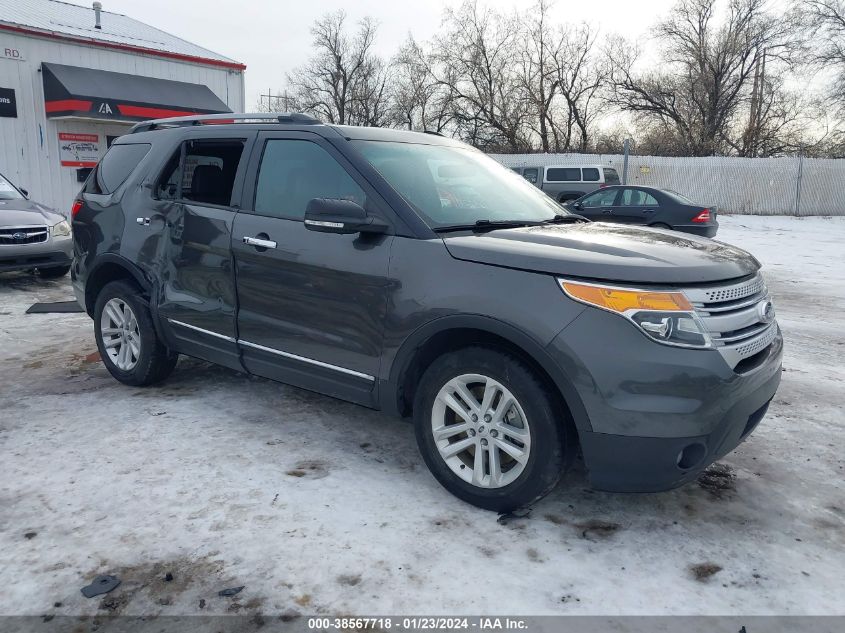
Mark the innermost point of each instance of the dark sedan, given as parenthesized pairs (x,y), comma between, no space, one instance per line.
(661,208)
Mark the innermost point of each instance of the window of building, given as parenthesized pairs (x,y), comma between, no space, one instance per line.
(294,172)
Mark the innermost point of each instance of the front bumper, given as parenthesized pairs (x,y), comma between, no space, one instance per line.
(656,415)
(56,251)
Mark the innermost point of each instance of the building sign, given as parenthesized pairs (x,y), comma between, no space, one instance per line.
(11,53)
(79,150)
(8,103)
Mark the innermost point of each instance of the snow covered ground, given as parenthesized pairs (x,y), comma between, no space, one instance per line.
(317,506)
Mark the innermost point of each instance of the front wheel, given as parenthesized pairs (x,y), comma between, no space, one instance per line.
(129,346)
(489,430)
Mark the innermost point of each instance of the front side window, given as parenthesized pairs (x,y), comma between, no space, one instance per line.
(115,167)
(294,172)
(637,198)
(603,198)
(563,174)
(610,176)
(531,175)
(591,174)
(8,191)
(451,186)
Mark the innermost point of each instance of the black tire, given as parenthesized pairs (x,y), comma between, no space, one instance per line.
(155,361)
(54,273)
(660,225)
(553,442)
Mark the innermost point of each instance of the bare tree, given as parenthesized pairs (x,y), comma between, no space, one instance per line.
(825,20)
(474,58)
(344,82)
(419,100)
(706,78)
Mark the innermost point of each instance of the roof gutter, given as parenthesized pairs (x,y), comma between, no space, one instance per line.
(123,47)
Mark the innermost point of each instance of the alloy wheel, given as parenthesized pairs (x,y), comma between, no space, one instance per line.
(121,334)
(481,431)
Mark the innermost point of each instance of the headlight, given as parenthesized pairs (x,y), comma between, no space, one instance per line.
(666,317)
(62,229)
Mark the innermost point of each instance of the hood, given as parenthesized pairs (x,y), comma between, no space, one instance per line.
(15,213)
(608,252)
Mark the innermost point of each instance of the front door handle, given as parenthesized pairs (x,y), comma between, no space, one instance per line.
(607,211)
(259,242)
(649,211)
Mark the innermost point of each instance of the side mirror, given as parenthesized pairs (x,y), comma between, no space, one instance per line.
(578,206)
(24,192)
(334,215)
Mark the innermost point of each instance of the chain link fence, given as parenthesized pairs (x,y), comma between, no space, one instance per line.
(757,186)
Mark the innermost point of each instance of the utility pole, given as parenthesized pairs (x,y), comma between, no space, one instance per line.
(626,150)
(755,118)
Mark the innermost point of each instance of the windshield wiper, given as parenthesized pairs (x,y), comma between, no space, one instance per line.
(486,225)
(566,219)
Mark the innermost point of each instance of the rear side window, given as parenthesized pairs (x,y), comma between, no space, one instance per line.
(563,174)
(115,167)
(294,172)
(202,171)
(637,198)
(610,176)
(591,174)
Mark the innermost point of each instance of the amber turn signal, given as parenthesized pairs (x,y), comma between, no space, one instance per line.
(621,300)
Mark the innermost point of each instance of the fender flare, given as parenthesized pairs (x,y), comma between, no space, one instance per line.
(528,345)
(113,259)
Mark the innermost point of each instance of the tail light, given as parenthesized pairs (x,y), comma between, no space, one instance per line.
(702,217)
(75,207)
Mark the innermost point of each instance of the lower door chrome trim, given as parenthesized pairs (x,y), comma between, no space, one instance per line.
(203,331)
(310,361)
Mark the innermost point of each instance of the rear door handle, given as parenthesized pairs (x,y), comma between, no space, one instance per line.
(608,211)
(648,211)
(259,242)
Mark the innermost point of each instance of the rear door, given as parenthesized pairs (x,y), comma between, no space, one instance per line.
(195,207)
(311,305)
(635,206)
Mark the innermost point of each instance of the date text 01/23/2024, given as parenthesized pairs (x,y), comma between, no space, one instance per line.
(416,624)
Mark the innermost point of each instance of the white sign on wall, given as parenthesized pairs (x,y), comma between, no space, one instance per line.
(79,150)
(10,52)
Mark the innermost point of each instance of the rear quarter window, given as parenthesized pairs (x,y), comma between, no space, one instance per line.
(591,174)
(115,167)
(563,174)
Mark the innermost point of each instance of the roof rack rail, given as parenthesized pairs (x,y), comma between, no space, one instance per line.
(222,119)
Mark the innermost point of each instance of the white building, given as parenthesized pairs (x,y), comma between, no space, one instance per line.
(73,78)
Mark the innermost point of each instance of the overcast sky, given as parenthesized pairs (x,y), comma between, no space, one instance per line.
(272,36)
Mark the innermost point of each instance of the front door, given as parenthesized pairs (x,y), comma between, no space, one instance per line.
(598,206)
(635,206)
(311,305)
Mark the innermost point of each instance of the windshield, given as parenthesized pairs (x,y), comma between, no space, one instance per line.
(453,186)
(7,191)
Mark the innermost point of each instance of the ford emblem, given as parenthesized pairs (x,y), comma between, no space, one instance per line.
(766,311)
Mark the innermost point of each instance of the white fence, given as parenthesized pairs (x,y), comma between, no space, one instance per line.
(756,186)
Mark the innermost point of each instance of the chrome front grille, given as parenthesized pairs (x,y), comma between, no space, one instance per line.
(736,317)
(12,236)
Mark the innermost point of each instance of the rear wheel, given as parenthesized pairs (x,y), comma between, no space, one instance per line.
(489,430)
(54,273)
(661,225)
(129,346)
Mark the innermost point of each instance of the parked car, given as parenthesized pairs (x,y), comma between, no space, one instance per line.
(32,236)
(647,206)
(567,182)
(410,273)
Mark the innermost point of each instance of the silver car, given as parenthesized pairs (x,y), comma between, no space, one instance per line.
(32,236)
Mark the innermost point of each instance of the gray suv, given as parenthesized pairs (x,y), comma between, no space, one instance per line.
(32,236)
(410,273)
